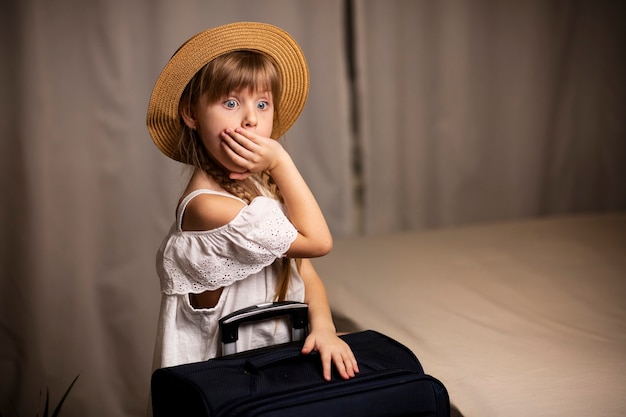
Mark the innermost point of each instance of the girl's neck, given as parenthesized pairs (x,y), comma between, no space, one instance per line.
(201,180)
(246,190)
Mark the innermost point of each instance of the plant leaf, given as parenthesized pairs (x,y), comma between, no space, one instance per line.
(57,410)
(15,409)
(45,407)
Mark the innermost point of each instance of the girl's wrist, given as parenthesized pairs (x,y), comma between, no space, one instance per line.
(328,329)
(284,160)
(323,325)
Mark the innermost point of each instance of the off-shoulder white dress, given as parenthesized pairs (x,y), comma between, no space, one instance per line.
(238,257)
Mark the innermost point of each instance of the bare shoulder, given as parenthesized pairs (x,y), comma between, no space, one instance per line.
(210,211)
(207,211)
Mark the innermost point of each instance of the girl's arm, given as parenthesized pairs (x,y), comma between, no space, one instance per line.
(323,335)
(255,153)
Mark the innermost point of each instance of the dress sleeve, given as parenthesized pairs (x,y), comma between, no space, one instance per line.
(200,261)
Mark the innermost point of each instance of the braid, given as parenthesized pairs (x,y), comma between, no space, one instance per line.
(242,189)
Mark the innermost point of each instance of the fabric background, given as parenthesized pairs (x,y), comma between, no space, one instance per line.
(439,113)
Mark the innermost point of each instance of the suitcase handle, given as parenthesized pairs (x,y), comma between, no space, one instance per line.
(229,325)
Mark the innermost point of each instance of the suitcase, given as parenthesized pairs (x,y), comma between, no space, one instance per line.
(279,381)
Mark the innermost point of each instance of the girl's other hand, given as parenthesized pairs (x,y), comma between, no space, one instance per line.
(333,351)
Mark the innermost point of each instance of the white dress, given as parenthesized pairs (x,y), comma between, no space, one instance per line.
(238,257)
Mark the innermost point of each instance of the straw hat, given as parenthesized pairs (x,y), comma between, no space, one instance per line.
(163,118)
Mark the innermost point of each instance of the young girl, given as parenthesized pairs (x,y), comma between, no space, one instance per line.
(247,223)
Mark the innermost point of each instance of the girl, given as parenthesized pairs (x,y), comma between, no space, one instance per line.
(247,223)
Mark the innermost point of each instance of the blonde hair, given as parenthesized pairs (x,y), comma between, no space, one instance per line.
(230,72)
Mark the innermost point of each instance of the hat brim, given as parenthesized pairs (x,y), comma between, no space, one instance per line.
(163,118)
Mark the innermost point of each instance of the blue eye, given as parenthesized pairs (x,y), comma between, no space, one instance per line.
(231,104)
(262,105)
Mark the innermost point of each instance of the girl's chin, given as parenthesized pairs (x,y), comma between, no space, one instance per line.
(232,169)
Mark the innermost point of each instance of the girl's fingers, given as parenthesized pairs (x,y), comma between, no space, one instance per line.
(237,145)
(341,368)
(353,363)
(344,362)
(245,139)
(253,152)
(309,346)
(347,364)
(327,369)
(338,355)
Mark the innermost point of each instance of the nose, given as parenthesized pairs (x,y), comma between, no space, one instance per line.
(249,119)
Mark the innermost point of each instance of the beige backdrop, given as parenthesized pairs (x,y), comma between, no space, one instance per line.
(468,111)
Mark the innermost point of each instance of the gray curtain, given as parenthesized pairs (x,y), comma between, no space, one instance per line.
(441,113)
(487,110)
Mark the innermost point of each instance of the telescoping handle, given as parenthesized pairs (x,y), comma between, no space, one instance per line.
(229,325)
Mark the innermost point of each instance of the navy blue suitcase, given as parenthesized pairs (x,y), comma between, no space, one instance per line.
(279,381)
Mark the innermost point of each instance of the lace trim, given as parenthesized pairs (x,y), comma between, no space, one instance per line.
(200,261)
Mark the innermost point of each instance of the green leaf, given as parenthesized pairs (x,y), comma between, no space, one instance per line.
(57,410)
(45,407)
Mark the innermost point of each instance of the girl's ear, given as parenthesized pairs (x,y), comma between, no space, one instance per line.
(188,117)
